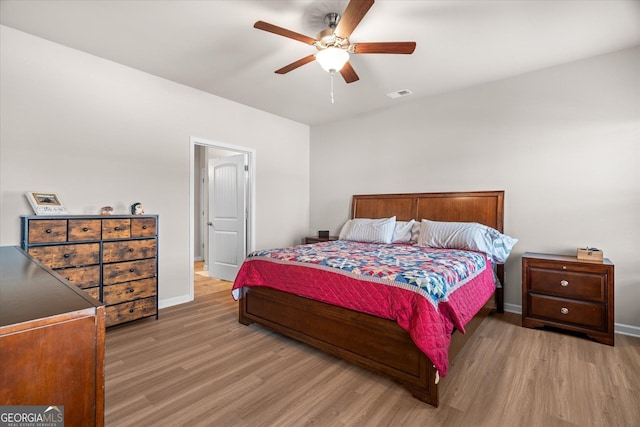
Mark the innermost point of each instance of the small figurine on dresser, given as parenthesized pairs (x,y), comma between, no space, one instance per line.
(136,209)
(106,210)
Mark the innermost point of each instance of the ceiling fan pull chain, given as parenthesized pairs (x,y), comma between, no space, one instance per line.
(332,74)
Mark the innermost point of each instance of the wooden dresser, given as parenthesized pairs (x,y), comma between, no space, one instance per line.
(112,258)
(51,342)
(563,292)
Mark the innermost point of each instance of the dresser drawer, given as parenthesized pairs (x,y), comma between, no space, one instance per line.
(128,250)
(128,271)
(129,311)
(128,291)
(84,229)
(93,293)
(578,313)
(116,229)
(83,277)
(47,230)
(67,255)
(580,285)
(143,227)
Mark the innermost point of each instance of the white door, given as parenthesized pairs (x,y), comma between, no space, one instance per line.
(227,212)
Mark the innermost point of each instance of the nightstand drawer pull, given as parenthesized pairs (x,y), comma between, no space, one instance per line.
(564,310)
(564,283)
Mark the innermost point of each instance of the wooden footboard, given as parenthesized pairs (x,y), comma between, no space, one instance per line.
(374,343)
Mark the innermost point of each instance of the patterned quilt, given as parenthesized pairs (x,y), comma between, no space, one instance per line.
(426,291)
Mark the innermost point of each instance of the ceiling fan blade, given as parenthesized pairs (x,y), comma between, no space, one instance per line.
(353,14)
(265,26)
(385,47)
(296,64)
(348,73)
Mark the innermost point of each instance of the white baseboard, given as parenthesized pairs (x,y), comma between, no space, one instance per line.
(631,330)
(512,308)
(164,303)
(618,328)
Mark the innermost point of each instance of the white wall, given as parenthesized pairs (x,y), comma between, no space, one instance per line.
(564,144)
(98,133)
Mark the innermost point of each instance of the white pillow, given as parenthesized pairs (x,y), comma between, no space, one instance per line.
(345,230)
(369,230)
(468,236)
(403,232)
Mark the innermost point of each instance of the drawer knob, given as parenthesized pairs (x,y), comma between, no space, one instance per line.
(85,229)
(48,230)
(131,249)
(564,283)
(117,228)
(131,310)
(564,310)
(131,270)
(66,255)
(131,290)
(144,227)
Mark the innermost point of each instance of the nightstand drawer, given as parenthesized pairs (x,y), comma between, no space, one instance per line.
(586,286)
(583,314)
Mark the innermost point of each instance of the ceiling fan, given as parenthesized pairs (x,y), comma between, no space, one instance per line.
(333,43)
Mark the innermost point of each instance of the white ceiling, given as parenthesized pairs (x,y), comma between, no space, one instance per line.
(212,45)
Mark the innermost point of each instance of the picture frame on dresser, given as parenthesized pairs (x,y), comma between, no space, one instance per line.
(45,203)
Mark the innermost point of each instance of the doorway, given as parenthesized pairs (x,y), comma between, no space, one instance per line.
(235,245)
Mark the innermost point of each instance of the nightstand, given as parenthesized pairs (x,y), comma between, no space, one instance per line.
(563,292)
(316,239)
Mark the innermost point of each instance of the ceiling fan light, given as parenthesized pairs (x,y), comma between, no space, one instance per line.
(332,59)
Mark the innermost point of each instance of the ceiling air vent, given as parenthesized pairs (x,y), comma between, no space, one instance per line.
(399,93)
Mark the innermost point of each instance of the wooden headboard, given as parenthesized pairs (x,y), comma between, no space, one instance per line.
(485,207)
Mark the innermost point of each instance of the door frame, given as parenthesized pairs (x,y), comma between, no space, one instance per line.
(250,196)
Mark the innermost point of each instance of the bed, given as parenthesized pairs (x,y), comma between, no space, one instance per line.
(372,341)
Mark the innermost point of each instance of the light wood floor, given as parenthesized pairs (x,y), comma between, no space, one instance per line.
(197,366)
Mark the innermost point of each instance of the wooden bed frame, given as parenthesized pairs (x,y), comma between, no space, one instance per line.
(375,343)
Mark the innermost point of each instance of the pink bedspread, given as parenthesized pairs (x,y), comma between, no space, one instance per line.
(427,303)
